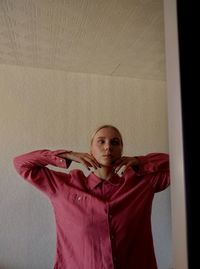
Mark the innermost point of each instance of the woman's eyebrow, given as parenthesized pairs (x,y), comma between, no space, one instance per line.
(103,137)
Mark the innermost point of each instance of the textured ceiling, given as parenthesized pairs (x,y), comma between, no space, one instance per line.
(110,37)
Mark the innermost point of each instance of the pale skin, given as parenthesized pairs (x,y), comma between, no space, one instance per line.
(105,155)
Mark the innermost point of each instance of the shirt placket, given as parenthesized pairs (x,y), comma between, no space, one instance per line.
(109,218)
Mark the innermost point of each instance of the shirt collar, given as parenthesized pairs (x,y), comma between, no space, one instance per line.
(94,180)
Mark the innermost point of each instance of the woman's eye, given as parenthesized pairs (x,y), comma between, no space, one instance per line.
(115,142)
(100,141)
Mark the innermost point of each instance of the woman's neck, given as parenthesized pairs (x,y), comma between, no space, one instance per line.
(105,172)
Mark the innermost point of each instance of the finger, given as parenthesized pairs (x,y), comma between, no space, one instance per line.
(90,162)
(125,163)
(125,167)
(120,165)
(117,163)
(94,163)
(97,164)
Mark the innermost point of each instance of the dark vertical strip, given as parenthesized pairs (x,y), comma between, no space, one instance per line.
(189,98)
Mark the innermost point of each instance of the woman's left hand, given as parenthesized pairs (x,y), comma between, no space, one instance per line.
(124,162)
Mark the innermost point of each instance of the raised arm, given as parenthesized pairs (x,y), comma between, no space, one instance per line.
(155,166)
(33,168)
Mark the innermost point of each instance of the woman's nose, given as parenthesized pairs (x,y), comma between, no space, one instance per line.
(107,146)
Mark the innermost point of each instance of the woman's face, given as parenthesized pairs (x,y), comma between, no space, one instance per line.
(106,146)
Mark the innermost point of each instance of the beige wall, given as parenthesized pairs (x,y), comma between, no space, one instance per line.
(52,109)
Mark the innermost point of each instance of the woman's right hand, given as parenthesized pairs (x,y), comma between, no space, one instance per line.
(85,159)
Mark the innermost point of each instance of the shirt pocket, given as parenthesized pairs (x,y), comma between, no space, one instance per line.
(78,207)
(76,197)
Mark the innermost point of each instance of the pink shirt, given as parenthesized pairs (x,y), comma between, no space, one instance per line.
(100,224)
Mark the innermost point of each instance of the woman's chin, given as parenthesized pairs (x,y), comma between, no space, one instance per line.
(107,164)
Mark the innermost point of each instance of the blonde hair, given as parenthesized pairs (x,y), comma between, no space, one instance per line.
(106,126)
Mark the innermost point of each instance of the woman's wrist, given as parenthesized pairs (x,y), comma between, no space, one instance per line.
(135,161)
(65,155)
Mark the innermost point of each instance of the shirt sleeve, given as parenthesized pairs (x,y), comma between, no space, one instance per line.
(33,168)
(155,167)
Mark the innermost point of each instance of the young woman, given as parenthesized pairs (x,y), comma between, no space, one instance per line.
(103,219)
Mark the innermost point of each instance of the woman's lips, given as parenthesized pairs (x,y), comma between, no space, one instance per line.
(107,156)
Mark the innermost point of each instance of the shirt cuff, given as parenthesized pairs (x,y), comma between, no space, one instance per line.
(59,161)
